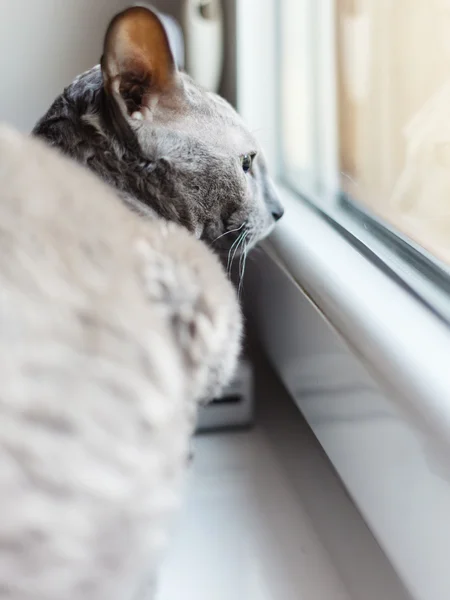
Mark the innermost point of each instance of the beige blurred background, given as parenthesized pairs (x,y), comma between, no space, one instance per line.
(394,112)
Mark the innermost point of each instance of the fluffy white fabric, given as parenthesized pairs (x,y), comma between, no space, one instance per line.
(112,328)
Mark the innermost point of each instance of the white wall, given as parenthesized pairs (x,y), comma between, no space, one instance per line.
(44,44)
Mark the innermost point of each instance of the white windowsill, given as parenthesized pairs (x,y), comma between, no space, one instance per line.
(403,345)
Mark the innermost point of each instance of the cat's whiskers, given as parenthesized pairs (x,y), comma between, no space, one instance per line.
(236,241)
(228,233)
(241,241)
(234,245)
(241,259)
(242,265)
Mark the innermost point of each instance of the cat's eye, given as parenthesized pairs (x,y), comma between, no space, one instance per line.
(247,161)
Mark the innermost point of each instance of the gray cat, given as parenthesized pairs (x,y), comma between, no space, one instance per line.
(169,147)
(114,327)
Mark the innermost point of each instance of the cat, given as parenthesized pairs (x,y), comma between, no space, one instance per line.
(135,303)
(168,146)
(112,329)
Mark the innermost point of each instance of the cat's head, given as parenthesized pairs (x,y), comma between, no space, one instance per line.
(212,173)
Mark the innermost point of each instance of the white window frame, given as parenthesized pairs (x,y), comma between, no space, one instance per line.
(318,269)
(402,340)
(257,77)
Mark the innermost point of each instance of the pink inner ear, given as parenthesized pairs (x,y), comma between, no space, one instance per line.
(139,49)
(135,85)
(137,62)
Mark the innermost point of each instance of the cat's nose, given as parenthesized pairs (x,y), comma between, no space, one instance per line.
(277,213)
(272,202)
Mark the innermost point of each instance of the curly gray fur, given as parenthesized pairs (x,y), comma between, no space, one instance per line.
(184,166)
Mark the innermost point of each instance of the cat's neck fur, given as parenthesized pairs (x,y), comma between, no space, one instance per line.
(82,123)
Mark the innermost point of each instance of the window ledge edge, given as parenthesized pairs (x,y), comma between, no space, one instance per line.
(403,344)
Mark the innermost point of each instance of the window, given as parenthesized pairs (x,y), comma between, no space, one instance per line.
(365,113)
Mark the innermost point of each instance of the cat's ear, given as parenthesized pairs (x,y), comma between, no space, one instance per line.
(137,62)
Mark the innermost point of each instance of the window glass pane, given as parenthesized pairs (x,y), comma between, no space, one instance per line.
(297,110)
(392,100)
(394,112)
